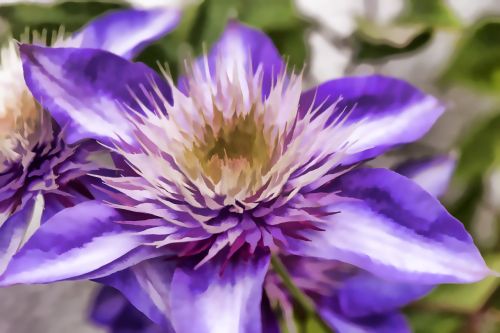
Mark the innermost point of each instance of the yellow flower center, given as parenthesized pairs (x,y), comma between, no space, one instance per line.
(236,146)
(19,112)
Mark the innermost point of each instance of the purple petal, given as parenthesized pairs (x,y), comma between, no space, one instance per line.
(107,306)
(365,294)
(85,90)
(147,286)
(388,225)
(348,286)
(432,174)
(207,299)
(270,322)
(382,112)
(17,229)
(112,310)
(126,32)
(241,45)
(215,301)
(71,244)
(386,323)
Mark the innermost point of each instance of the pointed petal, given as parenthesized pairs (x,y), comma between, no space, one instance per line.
(207,299)
(107,306)
(125,32)
(73,243)
(241,46)
(19,228)
(388,225)
(113,311)
(147,287)
(384,296)
(432,174)
(216,301)
(86,90)
(348,286)
(382,112)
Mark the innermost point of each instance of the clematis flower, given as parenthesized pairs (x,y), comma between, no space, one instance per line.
(230,166)
(347,298)
(40,173)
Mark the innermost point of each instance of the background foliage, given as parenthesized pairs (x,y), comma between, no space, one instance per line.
(472,67)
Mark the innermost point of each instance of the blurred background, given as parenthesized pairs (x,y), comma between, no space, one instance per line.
(450,48)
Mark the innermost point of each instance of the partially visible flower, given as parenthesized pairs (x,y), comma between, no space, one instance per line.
(114,312)
(233,164)
(40,172)
(346,297)
(433,174)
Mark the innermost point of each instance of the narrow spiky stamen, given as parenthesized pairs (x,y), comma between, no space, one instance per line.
(218,166)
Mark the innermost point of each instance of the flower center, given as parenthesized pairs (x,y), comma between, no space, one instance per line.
(238,145)
(19,113)
(222,144)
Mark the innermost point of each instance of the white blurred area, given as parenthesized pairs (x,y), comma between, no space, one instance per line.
(335,20)
(338,20)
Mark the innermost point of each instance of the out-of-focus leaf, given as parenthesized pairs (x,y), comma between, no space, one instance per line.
(478,151)
(280,20)
(291,44)
(476,61)
(465,298)
(424,322)
(202,25)
(71,15)
(465,207)
(268,15)
(375,50)
(211,19)
(393,34)
(434,13)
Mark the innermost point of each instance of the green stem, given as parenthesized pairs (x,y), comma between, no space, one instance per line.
(296,293)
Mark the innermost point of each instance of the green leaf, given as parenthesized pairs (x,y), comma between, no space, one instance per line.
(291,45)
(269,15)
(424,322)
(279,19)
(369,49)
(211,19)
(434,13)
(468,298)
(202,25)
(476,62)
(465,207)
(479,151)
(71,15)
(375,42)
